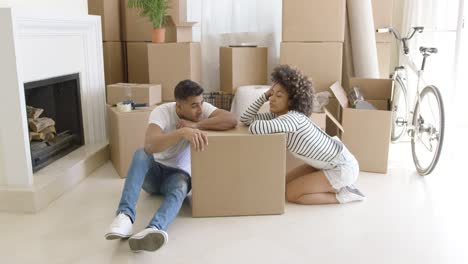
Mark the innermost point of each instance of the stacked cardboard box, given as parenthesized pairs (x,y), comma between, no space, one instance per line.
(127,129)
(136,32)
(382,13)
(314,43)
(239,66)
(126,134)
(113,50)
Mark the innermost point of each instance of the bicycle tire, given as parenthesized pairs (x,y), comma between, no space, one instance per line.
(427,170)
(400,93)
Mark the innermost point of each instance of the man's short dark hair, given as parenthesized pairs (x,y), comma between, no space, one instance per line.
(186,88)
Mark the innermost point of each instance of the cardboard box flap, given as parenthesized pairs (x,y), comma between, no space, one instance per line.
(373,89)
(340,94)
(333,119)
(171,22)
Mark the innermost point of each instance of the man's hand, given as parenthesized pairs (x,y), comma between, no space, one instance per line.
(198,139)
(186,123)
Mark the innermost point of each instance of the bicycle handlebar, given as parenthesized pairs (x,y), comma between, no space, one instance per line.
(403,40)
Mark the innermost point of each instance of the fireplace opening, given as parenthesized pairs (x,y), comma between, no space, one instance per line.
(54,118)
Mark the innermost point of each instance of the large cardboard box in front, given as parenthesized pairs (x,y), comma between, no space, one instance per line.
(320,61)
(114,64)
(366,133)
(170,63)
(240,66)
(313,20)
(109,10)
(149,94)
(239,174)
(126,134)
(137,62)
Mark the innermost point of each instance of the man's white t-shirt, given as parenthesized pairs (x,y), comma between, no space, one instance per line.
(177,155)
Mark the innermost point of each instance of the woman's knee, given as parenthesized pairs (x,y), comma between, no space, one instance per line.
(292,193)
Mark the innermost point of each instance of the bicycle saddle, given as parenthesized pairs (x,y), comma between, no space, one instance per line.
(426,50)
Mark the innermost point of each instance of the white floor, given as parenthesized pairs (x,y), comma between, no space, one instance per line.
(406,219)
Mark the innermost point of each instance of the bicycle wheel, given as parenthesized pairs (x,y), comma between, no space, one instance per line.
(428,134)
(399,110)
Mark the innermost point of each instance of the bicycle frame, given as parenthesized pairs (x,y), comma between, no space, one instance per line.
(415,69)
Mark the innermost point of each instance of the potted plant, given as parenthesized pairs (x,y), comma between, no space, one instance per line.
(156,11)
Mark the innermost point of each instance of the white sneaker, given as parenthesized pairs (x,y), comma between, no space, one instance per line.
(121,227)
(150,239)
(350,194)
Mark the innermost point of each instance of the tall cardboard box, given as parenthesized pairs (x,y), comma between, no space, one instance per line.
(383,13)
(383,53)
(114,64)
(239,174)
(320,61)
(126,134)
(366,133)
(313,20)
(242,66)
(137,62)
(135,28)
(109,10)
(170,63)
(149,94)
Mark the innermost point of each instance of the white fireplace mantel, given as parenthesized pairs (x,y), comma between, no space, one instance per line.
(36,48)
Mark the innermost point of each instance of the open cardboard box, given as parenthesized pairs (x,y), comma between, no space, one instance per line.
(366,133)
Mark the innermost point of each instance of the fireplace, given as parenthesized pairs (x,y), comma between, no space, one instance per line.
(56,126)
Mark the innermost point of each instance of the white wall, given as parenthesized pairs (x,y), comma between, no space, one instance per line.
(48,7)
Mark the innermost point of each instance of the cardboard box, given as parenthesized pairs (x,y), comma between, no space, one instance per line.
(239,174)
(109,10)
(149,94)
(383,14)
(114,64)
(242,66)
(170,63)
(135,28)
(320,61)
(138,29)
(383,53)
(178,32)
(126,134)
(137,62)
(366,133)
(313,20)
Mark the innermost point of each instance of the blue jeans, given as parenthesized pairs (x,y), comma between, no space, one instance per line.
(154,178)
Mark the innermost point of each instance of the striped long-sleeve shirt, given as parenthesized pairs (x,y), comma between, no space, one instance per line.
(304,138)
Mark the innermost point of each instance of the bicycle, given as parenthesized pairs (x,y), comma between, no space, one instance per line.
(426,128)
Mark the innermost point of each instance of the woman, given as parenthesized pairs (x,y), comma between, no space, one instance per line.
(330,170)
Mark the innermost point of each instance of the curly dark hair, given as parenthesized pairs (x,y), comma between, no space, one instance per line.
(298,86)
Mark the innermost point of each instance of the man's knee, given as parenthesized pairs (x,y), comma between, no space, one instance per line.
(181,184)
(141,155)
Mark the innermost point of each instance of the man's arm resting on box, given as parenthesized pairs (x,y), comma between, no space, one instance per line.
(157,141)
(218,120)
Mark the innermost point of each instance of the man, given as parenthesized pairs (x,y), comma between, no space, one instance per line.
(163,166)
